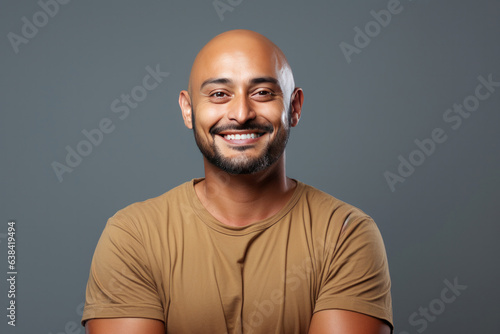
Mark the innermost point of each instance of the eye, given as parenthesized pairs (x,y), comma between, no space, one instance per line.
(264,95)
(219,95)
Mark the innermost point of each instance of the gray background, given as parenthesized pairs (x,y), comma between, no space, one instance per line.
(440,224)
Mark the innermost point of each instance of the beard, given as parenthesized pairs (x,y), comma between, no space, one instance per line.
(243,164)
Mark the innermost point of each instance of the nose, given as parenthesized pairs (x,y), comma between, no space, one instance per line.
(240,110)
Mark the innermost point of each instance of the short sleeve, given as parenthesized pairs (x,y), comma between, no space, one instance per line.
(120,282)
(356,272)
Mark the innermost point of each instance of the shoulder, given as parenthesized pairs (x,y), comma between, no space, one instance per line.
(324,205)
(333,222)
(153,210)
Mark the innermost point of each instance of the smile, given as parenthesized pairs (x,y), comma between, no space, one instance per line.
(242,136)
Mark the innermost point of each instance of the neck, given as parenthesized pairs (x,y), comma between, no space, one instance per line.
(240,200)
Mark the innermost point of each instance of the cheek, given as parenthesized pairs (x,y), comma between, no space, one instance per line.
(274,112)
(281,119)
(284,119)
(206,118)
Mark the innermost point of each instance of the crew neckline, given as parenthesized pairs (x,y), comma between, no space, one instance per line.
(212,222)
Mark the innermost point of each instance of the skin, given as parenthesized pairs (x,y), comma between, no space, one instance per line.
(257,90)
(241,56)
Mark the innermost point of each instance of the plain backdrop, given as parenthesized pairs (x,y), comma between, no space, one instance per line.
(363,115)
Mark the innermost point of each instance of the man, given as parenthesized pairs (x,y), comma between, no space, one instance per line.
(244,249)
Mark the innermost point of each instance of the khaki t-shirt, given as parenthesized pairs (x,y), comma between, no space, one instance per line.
(169,259)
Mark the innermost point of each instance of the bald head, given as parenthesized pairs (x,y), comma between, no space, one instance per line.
(241,103)
(245,49)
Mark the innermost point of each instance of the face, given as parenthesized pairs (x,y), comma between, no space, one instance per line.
(240,108)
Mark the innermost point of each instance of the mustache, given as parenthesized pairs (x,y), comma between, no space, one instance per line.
(252,126)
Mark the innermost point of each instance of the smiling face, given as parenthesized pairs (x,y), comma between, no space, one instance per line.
(241,102)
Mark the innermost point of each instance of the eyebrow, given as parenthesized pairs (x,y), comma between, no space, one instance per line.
(215,81)
(226,81)
(265,80)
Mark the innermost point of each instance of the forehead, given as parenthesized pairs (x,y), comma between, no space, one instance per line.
(237,62)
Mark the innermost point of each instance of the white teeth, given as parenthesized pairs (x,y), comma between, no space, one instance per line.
(242,136)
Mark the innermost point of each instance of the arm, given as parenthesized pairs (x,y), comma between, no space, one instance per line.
(124,326)
(346,322)
(121,283)
(355,293)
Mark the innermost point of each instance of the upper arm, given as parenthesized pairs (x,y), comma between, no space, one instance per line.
(356,273)
(346,322)
(121,282)
(124,326)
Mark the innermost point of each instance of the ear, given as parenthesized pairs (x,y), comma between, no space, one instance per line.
(185,104)
(296,102)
